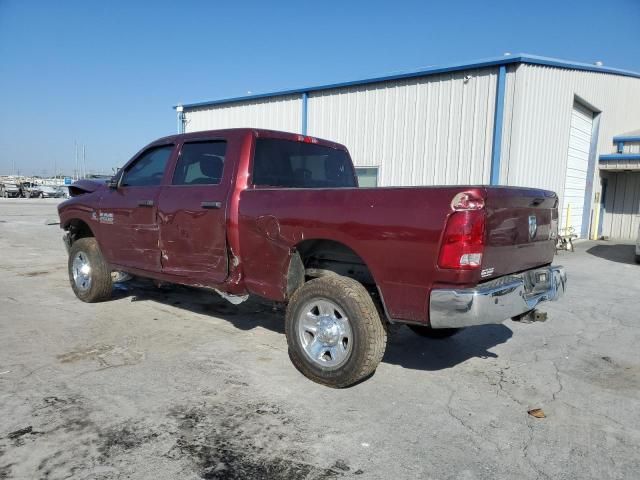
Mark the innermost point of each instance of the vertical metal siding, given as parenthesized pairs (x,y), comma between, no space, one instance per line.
(631,147)
(537,138)
(434,130)
(622,206)
(277,113)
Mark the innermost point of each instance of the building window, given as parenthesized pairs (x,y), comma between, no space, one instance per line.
(367,176)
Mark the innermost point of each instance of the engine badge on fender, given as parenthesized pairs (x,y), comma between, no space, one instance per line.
(106,217)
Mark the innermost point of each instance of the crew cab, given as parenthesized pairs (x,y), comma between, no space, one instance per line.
(256,212)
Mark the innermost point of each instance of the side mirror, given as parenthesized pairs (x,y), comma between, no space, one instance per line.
(113,183)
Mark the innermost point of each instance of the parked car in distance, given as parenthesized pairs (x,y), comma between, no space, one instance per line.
(29,190)
(9,190)
(280,215)
(50,191)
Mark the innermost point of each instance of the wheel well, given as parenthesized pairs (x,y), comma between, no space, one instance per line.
(78,229)
(322,257)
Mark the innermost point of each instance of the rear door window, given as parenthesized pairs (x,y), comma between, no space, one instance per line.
(148,169)
(200,163)
(285,163)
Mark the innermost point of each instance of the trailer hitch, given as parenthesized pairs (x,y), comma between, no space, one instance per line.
(531,316)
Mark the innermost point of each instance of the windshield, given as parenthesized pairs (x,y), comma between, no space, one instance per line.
(285,163)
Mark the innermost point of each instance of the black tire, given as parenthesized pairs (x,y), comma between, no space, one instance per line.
(637,258)
(368,335)
(429,332)
(100,286)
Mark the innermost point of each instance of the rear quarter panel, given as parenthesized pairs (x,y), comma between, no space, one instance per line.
(396,231)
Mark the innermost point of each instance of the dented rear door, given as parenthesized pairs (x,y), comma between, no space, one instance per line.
(192,213)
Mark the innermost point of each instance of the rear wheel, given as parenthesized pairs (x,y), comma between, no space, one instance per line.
(89,274)
(429,332)
(334,332)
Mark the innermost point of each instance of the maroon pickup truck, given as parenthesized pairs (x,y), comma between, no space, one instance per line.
(279,215)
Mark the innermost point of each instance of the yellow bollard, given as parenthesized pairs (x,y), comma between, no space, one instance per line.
(596,217)
(594,226)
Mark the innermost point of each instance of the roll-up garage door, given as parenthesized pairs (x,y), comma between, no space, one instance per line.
(577,167)
(622,206)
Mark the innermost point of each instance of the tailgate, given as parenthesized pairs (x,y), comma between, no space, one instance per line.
(521,230)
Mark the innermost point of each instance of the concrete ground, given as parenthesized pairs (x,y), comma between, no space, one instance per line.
(165,384)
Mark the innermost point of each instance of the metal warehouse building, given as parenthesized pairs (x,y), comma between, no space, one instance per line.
(515,120)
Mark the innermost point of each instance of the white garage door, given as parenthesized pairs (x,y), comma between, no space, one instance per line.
(577,166)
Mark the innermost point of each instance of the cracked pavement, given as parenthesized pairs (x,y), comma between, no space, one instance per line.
(174,383)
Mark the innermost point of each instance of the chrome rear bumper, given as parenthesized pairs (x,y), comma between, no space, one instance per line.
(497,300)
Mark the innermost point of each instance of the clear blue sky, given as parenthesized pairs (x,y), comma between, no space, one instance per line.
(107,73)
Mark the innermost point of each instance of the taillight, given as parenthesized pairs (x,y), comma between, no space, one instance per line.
(307,139)
(467,201)
(463,240)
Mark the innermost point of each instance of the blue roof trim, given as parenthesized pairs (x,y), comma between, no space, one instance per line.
(498,119)
(454,67)
(619,156)
(626,138)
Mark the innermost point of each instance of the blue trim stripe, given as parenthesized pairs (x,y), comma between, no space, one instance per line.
(455,67)
(626,138)
(305,101)
(498,120)
(619,156)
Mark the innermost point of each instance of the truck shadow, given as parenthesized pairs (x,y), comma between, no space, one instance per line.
(408,350)
(405,348)
(619,253)
(245,316)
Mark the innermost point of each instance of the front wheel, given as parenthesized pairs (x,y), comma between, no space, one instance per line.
(334,332)
(436,333)
(89,274)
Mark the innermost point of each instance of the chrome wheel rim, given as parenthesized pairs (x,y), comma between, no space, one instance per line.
(81,270)
(325,333)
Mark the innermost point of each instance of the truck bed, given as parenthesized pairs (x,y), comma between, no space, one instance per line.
(396,232)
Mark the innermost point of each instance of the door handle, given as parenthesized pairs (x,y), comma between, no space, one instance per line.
(211,205)
(145,203)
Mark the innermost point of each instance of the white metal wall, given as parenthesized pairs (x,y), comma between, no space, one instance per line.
(276,113)
(438,129)
(622,206)
(434,130)
(539,103)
